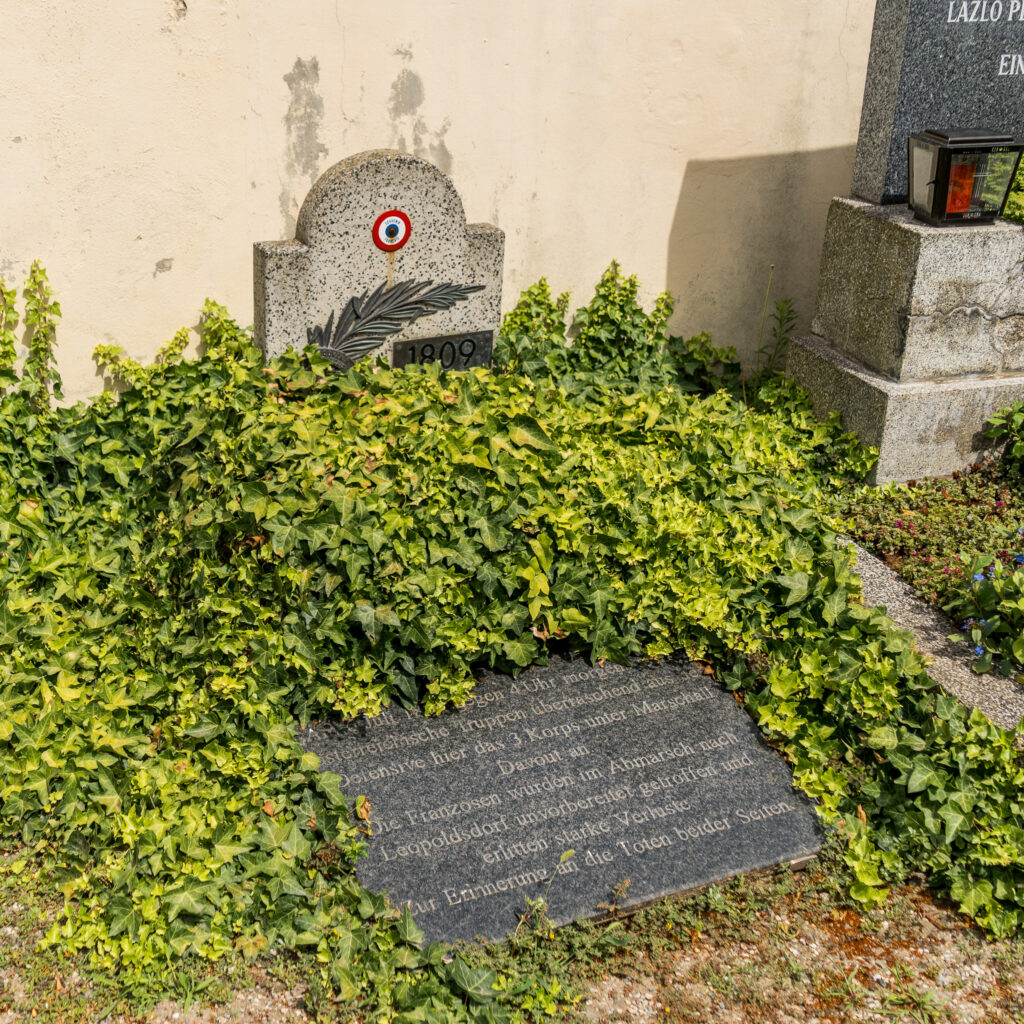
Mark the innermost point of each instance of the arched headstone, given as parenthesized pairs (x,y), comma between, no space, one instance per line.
(383,262)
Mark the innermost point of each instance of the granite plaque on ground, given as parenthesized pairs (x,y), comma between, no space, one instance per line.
(654,775)
(384,263)
(936,64)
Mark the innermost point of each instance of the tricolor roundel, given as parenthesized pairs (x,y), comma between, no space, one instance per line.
(391,230)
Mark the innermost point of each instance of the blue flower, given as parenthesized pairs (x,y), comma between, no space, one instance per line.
(979,650)
(979,576)
(982,622)
(1019,559)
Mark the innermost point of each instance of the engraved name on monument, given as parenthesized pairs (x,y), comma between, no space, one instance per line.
(936,64)
(650,773)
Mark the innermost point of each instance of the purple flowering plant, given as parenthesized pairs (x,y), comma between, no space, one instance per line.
(993,611)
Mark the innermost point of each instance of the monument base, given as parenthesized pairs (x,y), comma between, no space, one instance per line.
(921,428)
(916,302)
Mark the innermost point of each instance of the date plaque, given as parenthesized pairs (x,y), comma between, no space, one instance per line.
(452,351)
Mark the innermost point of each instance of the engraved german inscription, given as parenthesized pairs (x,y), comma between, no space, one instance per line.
(648,772)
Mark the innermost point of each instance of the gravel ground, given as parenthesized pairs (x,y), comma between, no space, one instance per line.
(1000,698)
(774,948)
(250,1006)
(913,960)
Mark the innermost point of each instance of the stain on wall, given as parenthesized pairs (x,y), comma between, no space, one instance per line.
(303,148)
(162,266)
(179,9)
(406,94)
(410,131)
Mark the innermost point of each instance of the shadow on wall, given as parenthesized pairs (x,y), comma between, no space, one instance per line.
(733,219)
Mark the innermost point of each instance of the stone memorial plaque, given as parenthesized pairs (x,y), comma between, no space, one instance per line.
(654,775)
(382,255)
(936,64)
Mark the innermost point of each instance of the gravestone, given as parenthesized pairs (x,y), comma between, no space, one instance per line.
(936,64)
(652,774)
(383,262)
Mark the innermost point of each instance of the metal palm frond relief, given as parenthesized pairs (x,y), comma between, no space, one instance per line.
(367,321)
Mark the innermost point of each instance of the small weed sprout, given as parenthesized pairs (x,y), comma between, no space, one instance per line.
(784,321)
(617,898)
(537,910)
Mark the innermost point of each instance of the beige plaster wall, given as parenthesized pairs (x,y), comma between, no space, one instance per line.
(147,143)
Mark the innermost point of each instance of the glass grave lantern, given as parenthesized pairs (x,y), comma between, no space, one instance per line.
(962,175)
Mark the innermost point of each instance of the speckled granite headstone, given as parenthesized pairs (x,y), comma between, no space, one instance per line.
(383,262)
(936,64)
(650,773)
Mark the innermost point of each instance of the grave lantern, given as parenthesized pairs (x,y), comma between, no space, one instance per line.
(960,175)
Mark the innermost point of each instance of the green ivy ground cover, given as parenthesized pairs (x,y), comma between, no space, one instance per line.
(230,547)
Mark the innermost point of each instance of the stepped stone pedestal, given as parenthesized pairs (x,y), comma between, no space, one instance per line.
(918,335)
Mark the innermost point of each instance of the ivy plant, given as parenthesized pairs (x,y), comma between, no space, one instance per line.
(195,568)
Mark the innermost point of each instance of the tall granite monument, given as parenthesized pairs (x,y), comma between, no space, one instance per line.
(384,263)
(936,63)
(918,334)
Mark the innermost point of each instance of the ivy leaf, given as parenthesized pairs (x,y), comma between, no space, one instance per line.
(184,900)
(283,538)
(493,537)
(124,916)
(973,896)
(345,985)
(408,931)
(834,605)
(884,737)
(205,728)
(373,618)
(476,983)
(65,446)
(922,776)
(10,626)
(405,958)
(801,518)
(796,587)
(229,851)
(341,949)
(526,431)
(521,651)
(256,499)
(954,820)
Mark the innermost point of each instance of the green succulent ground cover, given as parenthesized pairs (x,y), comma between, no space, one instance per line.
(958,541)
(227,548)
(1015,201)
